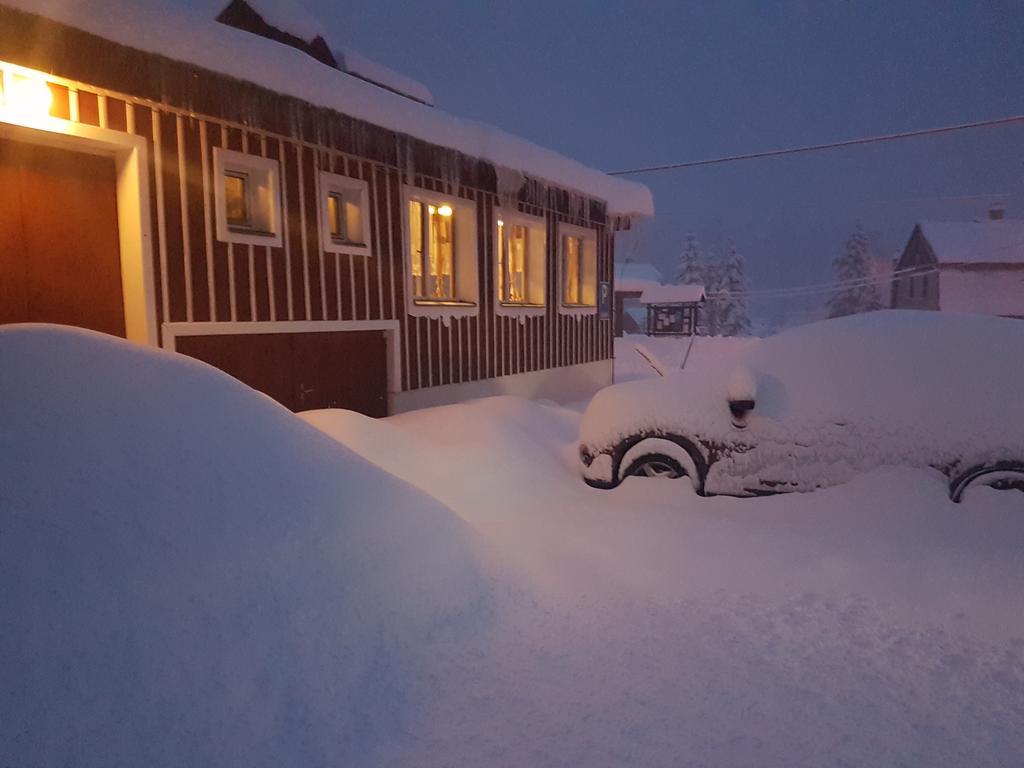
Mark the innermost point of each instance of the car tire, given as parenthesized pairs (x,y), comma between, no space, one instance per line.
(655,465)
(1003,475)
(661,456)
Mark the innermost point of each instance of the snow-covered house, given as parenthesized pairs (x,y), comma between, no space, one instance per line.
(974,267)
(631,279)
(221,179)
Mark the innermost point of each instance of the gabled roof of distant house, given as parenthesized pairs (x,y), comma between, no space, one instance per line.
(186,31)
(976,242)
(635,276)
(673,294)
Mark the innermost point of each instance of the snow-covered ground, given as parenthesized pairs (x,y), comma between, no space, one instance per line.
(188,574)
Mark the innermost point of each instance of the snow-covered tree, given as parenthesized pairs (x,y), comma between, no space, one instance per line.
(709,312)
(731,316)
(692,268)
(853,268)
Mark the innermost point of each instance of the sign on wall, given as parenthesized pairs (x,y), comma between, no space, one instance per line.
(604,300)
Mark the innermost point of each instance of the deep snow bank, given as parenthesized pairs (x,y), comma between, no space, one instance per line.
(873,623)
(191,576)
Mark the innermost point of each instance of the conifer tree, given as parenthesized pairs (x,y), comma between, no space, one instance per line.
(731,316)
(853,269)
(691,270)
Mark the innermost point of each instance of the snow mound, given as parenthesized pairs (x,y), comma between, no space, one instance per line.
(466,455)
(191,575)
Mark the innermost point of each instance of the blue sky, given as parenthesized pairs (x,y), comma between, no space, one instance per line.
(623,84)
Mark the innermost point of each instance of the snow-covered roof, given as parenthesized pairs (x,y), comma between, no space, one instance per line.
(292,17)
(636,276)
(185,31)
(976,242)
(672,294)
(356,64)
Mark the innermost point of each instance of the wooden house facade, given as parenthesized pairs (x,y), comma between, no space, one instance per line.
(293,246)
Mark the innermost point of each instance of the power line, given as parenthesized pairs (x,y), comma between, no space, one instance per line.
(831,287)
(827,145)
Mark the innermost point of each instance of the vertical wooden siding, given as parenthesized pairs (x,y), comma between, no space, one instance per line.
(200,279)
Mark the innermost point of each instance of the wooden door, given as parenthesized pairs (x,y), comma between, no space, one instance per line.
(59,253)
(261,360)
(341,370)
(303,371)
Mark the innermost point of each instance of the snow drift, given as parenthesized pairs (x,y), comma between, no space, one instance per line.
(189,575)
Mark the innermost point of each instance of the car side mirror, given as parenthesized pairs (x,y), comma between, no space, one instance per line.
(741,393)
(739,410)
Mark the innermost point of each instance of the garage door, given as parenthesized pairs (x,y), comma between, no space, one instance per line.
(303,371)
(59,253)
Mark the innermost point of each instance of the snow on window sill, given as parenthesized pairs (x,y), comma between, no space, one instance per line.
(442,309)
(504,309)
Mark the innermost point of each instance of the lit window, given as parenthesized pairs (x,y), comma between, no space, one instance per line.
(247,198)
(572,248)
(237,208)
(520,252)
(432,245)
(442,251)
(578,269)
(344,216)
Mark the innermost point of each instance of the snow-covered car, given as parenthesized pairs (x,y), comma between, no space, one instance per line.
(816,405)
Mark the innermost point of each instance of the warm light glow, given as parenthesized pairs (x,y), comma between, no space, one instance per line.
(501,223)
(445,210)
(431,209)
(27,97)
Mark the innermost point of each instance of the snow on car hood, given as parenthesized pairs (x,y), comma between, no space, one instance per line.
(923,388)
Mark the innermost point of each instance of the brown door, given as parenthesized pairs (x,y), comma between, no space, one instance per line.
(59,253)
(303,371)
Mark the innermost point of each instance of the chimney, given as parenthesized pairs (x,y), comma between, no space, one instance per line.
(997,212)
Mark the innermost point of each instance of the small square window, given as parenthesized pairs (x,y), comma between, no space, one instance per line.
(247,198)
(344,216)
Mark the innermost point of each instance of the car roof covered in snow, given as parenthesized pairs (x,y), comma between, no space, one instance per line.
(998,241)
(186,31)
(672,294)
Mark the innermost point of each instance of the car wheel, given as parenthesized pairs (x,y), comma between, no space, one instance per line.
(1003,476)
(666,457)
(655,465)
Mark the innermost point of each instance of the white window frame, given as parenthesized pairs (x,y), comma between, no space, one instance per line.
(589,265)
(349,189)
(264,176)
(466,256)
(536,262)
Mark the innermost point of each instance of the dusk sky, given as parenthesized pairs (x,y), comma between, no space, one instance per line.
(625,84)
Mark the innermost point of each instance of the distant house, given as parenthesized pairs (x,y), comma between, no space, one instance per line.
(974,267)
(223,180)
(673,310)
(631,280)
